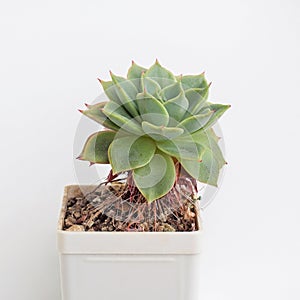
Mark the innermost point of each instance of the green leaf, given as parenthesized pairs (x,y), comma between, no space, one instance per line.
(150,86)
(217,111)
(95,113)
(212,135)
(110,90)
(130,152)
(196,98)
(209,141)
(152,110)
(212,159)
(96,147)
(119,116)
(157,178)
(161,75)
(112,107)
(160,133)
(135,74)
(128,88)
(193,81)
(126,92)
(206,171)
(194,123)
(177,107)
(182,148)
(171,91)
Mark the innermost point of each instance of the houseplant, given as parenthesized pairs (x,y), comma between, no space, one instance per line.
(144,218)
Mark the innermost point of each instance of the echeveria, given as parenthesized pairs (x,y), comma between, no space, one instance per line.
(153,120)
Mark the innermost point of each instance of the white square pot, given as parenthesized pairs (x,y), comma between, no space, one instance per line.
(128,265)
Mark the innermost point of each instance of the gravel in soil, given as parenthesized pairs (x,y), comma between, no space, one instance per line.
(108,208)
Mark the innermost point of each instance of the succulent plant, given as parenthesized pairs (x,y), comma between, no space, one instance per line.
(156,124)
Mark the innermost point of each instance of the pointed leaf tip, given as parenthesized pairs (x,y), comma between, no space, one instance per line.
(100,80)
(80,110)
(132,62)
(111,74)
(96,147)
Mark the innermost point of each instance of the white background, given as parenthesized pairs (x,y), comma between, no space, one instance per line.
(51,54)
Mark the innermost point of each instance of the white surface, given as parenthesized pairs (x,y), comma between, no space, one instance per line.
(130,277)
(51,54)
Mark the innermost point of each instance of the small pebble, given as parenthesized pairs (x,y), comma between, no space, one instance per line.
(77,214)
(76,228)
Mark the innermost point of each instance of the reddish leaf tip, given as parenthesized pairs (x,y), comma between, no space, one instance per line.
(80,110)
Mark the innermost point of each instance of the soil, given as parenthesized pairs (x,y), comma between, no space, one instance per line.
(109,208)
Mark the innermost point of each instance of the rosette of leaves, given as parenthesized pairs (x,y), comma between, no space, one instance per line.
(154,121)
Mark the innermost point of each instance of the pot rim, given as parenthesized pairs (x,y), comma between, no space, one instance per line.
(121,242)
